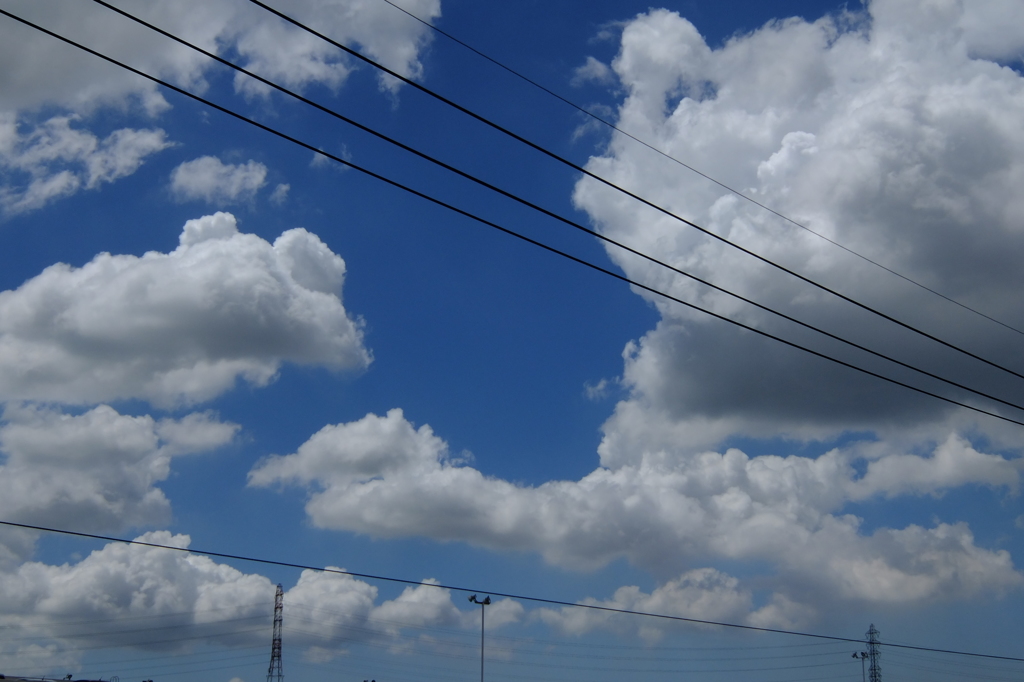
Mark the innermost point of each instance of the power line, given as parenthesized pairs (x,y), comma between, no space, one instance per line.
(521,644)
(542,210)
(642,653)
(120,619)
(146,665)
(213,655)
(618,188)
(135,630)
(500,228)
(685,165)
(206,636)
(494,593)
(508,648)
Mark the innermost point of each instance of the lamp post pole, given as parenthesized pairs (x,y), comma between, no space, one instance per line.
(482,602)
(861,655)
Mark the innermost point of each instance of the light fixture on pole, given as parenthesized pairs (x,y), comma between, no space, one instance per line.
(482,602)
(861,655)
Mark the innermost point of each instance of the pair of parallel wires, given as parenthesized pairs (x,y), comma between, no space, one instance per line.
(578,226)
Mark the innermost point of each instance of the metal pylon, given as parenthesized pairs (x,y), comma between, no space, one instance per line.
(874,656)
(275,673)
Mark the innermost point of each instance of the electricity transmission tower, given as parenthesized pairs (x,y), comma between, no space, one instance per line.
(274,672)
(874,654)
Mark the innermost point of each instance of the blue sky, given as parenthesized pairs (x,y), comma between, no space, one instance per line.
(210,337)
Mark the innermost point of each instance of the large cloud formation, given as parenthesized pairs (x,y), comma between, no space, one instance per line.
(41,72)
(176,601)
(180,327)
(384,477)
(892,132)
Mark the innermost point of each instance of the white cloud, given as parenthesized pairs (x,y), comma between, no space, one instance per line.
(593,71)
(383,477)
(701,594)
(954,463)
(174,600)
(40,71)
(55,160)
(173,328)
(210,180)
(329,612)
(280,52)
(280,193)
(596,391)
(93,472)
(887,132)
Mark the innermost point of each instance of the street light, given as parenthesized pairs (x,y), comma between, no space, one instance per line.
(861,655)
(484,602)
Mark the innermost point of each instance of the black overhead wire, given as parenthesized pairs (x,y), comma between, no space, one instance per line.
(193,671)
(469,650)
(538,208)
(504,595)
(148,659)
(514,644)
(946,662)
(93,622)
(136,630)
(149,664)
(527,646)
(142,643)
(626,192)
(688,167)
(369,636)
(498,227)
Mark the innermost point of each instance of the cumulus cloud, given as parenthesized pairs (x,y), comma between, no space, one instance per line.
(176,600)
(701,594)
(283,53)
(384,477)
(209,179)
(93,472)
(54,160)
(953,463)
(42,72)
(178,327)
(890,131)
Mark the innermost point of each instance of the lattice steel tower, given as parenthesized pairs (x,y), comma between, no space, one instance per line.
(274,672)
(874,654)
